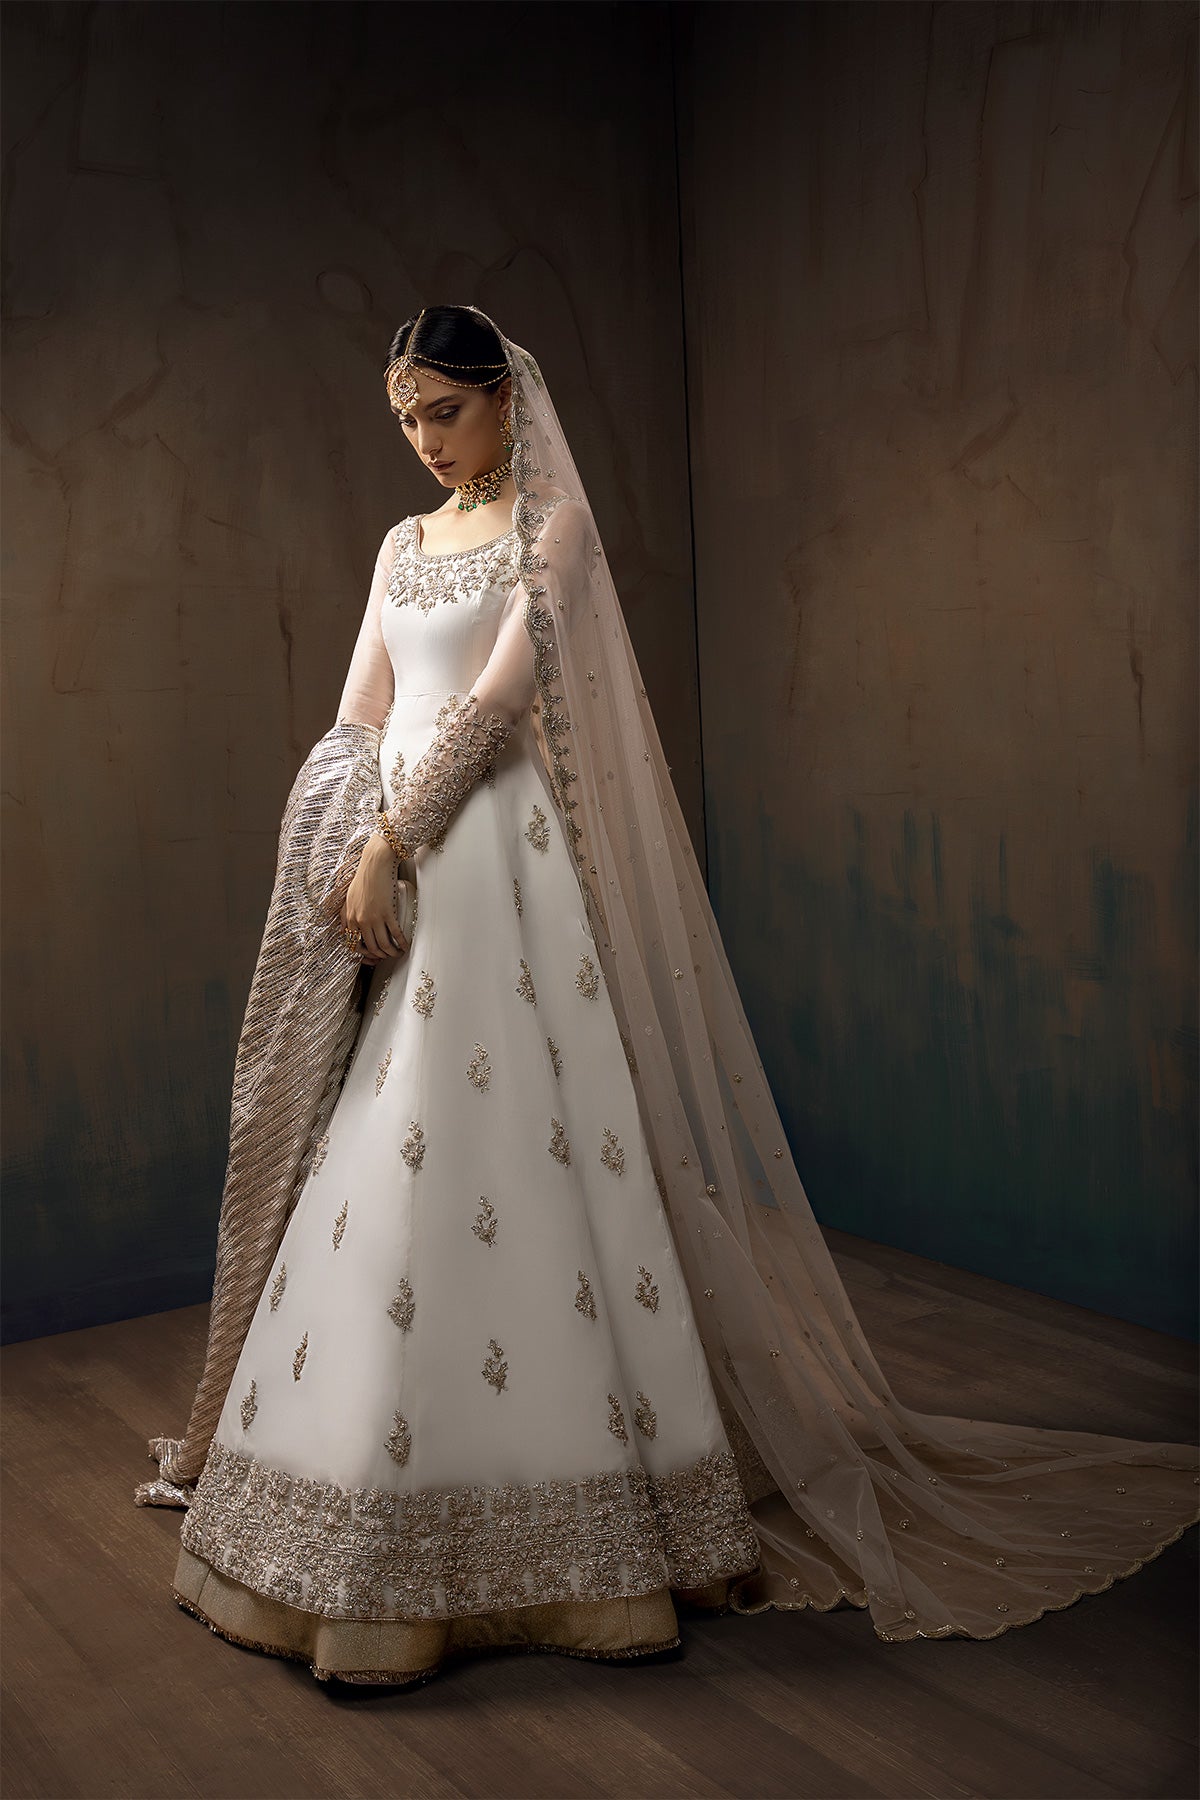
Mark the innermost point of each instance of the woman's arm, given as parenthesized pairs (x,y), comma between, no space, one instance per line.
(471,731)
(370,681)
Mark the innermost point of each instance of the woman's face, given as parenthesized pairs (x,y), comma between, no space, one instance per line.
(456,430)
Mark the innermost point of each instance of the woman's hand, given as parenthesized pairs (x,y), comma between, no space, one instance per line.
(370,904)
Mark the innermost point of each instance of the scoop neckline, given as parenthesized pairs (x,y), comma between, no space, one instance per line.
(442,555)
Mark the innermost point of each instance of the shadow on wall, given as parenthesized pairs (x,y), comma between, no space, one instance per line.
(961,1097)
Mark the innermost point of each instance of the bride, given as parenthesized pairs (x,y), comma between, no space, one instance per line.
(523,1330)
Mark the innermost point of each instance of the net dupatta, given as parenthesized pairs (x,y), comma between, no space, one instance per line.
(939,1525)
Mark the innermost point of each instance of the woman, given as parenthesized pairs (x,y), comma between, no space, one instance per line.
(523,1329)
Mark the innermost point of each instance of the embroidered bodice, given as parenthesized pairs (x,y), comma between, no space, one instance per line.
(441,612)
(430,578)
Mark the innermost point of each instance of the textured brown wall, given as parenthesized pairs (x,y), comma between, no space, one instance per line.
(939,285)
(216,216)
(940,281)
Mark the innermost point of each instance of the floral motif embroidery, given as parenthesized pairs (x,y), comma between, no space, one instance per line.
(396,778)
(249,1406)
(531,516)
(585,1300)
(587,980)
(399,1439)
(517,895)
(537,830)
(339,1224)
(427,1552)
(280,1284)
(466,742)
(646,1290)
(485,1221)
(612,1155)
(381,996)
(425,579)
(479,1069)
(555,1057)
(495,1369)
(525,986)
(298,1359)
(413,1147)
(383,1069)
(424,995)
(558,1145)
(319,1149)
(645,1417)
(616,1419)
(610,1523)
(403,1306)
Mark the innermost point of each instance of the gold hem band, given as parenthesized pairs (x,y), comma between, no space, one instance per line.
(405,1651)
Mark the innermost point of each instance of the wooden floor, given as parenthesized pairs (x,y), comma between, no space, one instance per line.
(109,1688)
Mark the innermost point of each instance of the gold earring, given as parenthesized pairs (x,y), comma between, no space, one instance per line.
(506,430)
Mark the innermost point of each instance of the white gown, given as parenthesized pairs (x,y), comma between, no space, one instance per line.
(474,1382)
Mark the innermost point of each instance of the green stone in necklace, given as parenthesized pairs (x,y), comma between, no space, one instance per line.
(482,488)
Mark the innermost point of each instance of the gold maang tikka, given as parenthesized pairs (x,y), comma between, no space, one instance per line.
(401,373)
(400,380)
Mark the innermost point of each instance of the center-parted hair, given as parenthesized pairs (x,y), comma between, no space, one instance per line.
(449,340)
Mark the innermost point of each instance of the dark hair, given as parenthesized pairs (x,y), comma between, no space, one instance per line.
(450,338)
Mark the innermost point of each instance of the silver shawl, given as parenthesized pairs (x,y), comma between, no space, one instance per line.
(302,1019)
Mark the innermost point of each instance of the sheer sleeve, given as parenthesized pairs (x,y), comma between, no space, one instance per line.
(370,680)
(472,729)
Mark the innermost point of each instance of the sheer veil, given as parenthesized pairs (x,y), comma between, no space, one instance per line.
(939,1525)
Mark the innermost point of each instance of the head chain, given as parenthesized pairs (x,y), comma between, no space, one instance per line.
(400,374)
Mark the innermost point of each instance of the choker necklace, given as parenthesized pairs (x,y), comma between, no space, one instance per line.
(482,488)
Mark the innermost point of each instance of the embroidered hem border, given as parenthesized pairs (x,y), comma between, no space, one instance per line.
(372,1553)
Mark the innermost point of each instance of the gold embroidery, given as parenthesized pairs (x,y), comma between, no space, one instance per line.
(537,830)
(319,1149)
(413,1147)
(426,579)
(517,895)
(555,1057)
(465,743)
(399,1439)
(402,1307)
(383,1069)
(339,1224)
(434,1552)
(612,1155)
(616,1419)
(585,1300)
(525,986)
(424,995)
(646,1417)
(587,980)
(396,778)
(558,1145)
(479,1069)
(530,517)
(381,996)
(495,1369)
(646,1290)
(249,1406)
(298,1359)
(280,1284)
(485,1221)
